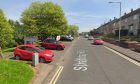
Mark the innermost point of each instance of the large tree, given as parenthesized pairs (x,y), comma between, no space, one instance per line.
(18,28)
(73,30)
(44,19)
(6,32)
(18,31)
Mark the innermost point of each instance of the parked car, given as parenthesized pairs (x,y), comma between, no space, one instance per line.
(53,44)
(26,52)
(64,38)
(98,41)
(90,38)
(86,36)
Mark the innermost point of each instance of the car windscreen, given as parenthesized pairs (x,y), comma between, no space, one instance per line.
(50,40)
(40,49)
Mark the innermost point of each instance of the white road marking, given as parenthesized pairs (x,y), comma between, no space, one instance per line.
(55,77)
(81,61)
(123,56)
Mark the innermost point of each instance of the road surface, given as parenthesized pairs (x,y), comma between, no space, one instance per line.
(95,64)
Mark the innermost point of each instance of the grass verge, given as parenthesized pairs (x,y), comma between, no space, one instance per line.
(15,72)
(6,50)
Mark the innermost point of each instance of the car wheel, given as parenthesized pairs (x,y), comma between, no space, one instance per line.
(17,57)
(59,48)
(42,60)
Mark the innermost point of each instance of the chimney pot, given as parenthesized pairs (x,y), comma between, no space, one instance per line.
(124,13)
(131,9)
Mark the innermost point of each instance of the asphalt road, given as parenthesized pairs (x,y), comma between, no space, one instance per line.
(94,64)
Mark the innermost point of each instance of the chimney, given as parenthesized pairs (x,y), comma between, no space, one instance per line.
(114,18)
(131,9)
(125,13)
(110,20)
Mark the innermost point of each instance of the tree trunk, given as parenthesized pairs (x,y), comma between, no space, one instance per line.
(1,57)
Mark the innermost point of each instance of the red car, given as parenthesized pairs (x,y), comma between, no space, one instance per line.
(53,44)
(26,52)
(98,41)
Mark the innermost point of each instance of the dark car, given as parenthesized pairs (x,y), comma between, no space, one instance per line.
(53,44)
(66,38)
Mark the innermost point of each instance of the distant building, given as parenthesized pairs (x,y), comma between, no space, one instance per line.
(130,22)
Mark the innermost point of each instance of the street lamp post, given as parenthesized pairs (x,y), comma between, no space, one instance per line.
(120,18)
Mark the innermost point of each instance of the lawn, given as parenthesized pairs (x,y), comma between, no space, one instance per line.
(15,72)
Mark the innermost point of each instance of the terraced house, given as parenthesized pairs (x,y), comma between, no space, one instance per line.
(130,24)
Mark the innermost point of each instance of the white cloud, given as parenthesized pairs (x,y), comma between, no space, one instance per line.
(87,15)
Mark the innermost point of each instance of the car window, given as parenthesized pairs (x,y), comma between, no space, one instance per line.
(22,47)
(40,49)
(30,49)
(47,41)
(50,40)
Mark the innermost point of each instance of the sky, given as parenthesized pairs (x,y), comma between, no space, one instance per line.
(87,14)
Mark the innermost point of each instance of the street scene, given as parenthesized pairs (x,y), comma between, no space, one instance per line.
(70,42)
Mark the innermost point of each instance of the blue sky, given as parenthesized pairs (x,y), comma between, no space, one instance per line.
(87,14)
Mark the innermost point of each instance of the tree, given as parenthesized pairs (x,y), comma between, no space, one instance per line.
(18,31)
(44,19)
(91,32)
(6,32)
(73,30)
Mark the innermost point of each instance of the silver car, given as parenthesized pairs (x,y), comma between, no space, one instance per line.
(90,38)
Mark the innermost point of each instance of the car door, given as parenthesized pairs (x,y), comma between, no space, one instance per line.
(46,43)
(52,44)
(29,53)
(22,52)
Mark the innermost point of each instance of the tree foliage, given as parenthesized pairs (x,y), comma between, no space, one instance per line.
(18,28)
(6,32)
(18,31)
(44,19)
(73,30)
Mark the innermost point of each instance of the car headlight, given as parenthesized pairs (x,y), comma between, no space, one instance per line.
(48,55)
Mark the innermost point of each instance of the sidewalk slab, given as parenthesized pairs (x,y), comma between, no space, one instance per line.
(129,53)
(41,72)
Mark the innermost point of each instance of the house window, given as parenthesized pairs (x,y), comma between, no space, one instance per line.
(134,17)
(114,24)
(126,20)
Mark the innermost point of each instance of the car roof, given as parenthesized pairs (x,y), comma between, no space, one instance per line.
(29,45)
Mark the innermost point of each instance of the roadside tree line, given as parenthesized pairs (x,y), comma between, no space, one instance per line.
(39,19)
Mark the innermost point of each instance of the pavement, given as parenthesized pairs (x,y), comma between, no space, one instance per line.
(127,52)
(95,64)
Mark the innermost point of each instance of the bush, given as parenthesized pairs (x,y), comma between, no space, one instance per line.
(19,41)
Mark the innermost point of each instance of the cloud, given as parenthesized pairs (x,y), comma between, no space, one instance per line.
(86,15)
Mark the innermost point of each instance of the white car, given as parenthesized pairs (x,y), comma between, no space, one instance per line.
(90,38)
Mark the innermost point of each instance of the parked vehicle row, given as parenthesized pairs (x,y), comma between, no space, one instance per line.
(26,51)
(66,38)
